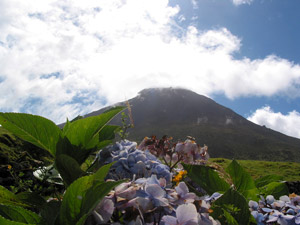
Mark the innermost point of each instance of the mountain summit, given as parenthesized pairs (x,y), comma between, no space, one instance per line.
(179,113)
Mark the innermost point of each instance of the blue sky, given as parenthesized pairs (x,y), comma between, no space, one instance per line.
(59,59)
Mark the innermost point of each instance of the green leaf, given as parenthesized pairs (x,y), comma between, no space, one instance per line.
(81,198)
(242,181)
(262,181)
(85,132)
(71,204)
(94,195)
(32,199)
(34,129)
(68,168)
(19,214)
(276,189)
(206,178)
(64,147)
(9,198)
(10,222)
(102,172)
(229,218)
(50,212)
(232,197)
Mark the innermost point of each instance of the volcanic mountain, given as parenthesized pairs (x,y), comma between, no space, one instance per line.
(180,113)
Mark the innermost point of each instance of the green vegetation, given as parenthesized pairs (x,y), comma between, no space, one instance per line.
(80,190)
(232,184)
(257,169)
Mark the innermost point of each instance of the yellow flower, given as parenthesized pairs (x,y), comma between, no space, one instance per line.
(179,176)
(9,167)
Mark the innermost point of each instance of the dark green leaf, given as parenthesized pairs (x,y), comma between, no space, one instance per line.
(32,199)
(102,172)
(107,133)
(206,178)
(68,168)
(9,198)
(93,197)
(72,201)
(232,197)
(5,221)
(34,129)
(242,181)
(229,218)
(19,214)
(76,152)
(276,189)
(50,212)
(260,182)
(83,195)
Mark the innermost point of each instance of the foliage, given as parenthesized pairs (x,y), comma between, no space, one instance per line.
(99,195)
(244,189)
(258,169)
(70,148)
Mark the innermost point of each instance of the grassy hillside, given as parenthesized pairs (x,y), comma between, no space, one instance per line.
(289,170)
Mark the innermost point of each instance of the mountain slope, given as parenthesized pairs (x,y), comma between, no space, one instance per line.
(180,112)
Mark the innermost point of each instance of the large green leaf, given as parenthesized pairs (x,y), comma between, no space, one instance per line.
(32,199)
(5,221)
(229,218)
(102,172)
(93,197)
(81,198)
(276,189)
(19,214)
(9,198)
(85,132)
(68,168)
(206,178)
(50,212)
(262,181)
(241,214)
(242,181)
(71,204)
(83,195)
(34,129)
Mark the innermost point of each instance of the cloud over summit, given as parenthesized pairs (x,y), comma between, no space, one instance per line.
(73,57)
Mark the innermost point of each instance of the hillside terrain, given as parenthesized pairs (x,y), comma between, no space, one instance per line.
(180,112)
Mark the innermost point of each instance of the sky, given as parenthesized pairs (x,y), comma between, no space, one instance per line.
(62,58)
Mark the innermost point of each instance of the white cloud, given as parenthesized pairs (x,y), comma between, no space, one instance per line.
(194,4)
(102,52)
(241,2)
(288,124)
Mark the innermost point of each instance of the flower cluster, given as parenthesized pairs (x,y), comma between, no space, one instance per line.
(188,151)
(132,162)
(148,200)
(285,211)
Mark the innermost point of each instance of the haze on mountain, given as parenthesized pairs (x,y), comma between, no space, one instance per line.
(180,113)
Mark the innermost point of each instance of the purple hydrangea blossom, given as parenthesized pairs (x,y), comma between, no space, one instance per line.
(186,214)
(131,162)
(284,211)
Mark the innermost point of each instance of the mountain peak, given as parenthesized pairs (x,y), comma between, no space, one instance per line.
(179,112)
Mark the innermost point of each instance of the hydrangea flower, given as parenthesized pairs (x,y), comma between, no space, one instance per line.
(131,162)
(284,211)
(186,214)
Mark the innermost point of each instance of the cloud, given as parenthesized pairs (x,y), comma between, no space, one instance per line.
(59,59)
(288,124)
(194,4)
(241,2)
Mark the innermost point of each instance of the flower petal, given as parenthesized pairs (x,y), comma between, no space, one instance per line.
(186,213)
(169,220)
